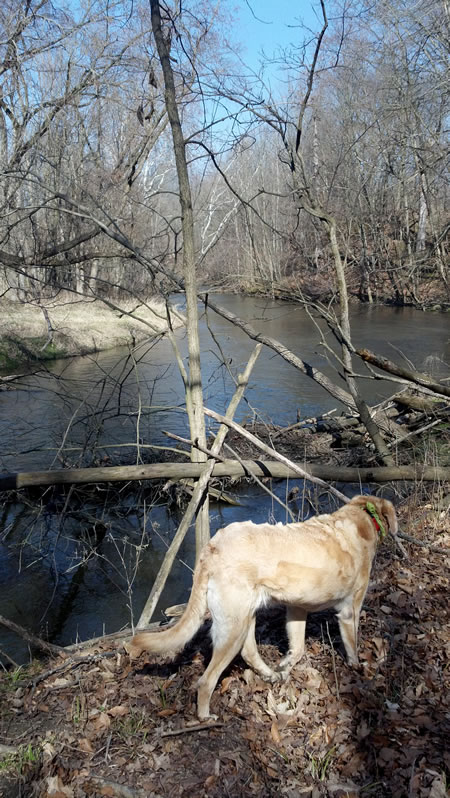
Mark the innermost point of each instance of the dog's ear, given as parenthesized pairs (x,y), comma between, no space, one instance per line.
(387,510)
(383,507)
(361,501)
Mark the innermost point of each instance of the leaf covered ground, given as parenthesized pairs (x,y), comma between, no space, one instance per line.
(102,727)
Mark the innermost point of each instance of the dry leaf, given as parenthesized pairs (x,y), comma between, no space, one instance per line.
(101,722)
(275,734)
(61,682)
(85,746)
(225,684)
(48,750)
(438,788)
(56,788)
(312,678)
(118,711)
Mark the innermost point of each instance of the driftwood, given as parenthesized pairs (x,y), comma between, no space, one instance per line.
(227,468)
(409,374)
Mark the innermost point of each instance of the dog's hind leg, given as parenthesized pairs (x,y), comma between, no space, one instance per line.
(295,627)
(348,617)
(223,653)
(231,613)
(253,658)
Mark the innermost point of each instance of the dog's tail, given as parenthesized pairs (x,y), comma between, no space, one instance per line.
(172,640)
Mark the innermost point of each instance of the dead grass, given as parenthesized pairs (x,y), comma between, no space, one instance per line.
(78,327)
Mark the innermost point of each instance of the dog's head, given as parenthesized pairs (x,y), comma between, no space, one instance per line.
(384,509)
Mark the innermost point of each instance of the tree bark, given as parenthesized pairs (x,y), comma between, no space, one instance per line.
(194,388)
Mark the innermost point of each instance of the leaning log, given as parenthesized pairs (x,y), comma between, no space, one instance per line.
(408,374)
(228,468)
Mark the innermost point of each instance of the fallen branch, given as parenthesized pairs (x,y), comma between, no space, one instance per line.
(413,376)
(310,371)
(261,484)
(298,470)
(423,543)
(34,642)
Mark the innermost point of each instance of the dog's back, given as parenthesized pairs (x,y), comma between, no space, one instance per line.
(320,563)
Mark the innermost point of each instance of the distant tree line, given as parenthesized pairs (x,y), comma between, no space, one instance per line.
(87,174)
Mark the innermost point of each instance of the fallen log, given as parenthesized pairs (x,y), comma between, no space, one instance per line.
(228,468)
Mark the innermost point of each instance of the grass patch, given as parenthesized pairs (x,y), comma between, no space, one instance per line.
(19,763)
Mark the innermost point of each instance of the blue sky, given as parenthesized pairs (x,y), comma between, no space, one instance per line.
(268,27)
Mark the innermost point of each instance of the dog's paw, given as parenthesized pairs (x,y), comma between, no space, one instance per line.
(274,677)
(284,665)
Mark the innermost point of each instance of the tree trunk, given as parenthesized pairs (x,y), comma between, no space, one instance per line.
(194,398)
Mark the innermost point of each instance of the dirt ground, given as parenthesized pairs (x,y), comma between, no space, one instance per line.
(98,726)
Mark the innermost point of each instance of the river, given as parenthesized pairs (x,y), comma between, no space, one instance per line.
(91,409)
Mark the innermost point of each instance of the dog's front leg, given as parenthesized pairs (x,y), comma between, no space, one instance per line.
(295,626)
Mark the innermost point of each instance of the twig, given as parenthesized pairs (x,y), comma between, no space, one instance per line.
(196,445)
(35,642)
(194,728)
(260,482)
(301,423)
(415,432)
(417,542)
(273,453)
(400,547)
(69,664)
(10,659)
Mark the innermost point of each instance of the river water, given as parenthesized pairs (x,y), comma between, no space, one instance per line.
(68,565)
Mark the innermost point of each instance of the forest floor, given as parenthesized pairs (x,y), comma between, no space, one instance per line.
(97,725)
(67,326)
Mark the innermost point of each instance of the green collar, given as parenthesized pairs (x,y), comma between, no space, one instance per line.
(371,510)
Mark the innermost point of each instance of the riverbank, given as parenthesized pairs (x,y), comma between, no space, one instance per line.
(32,332)
(313,287)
